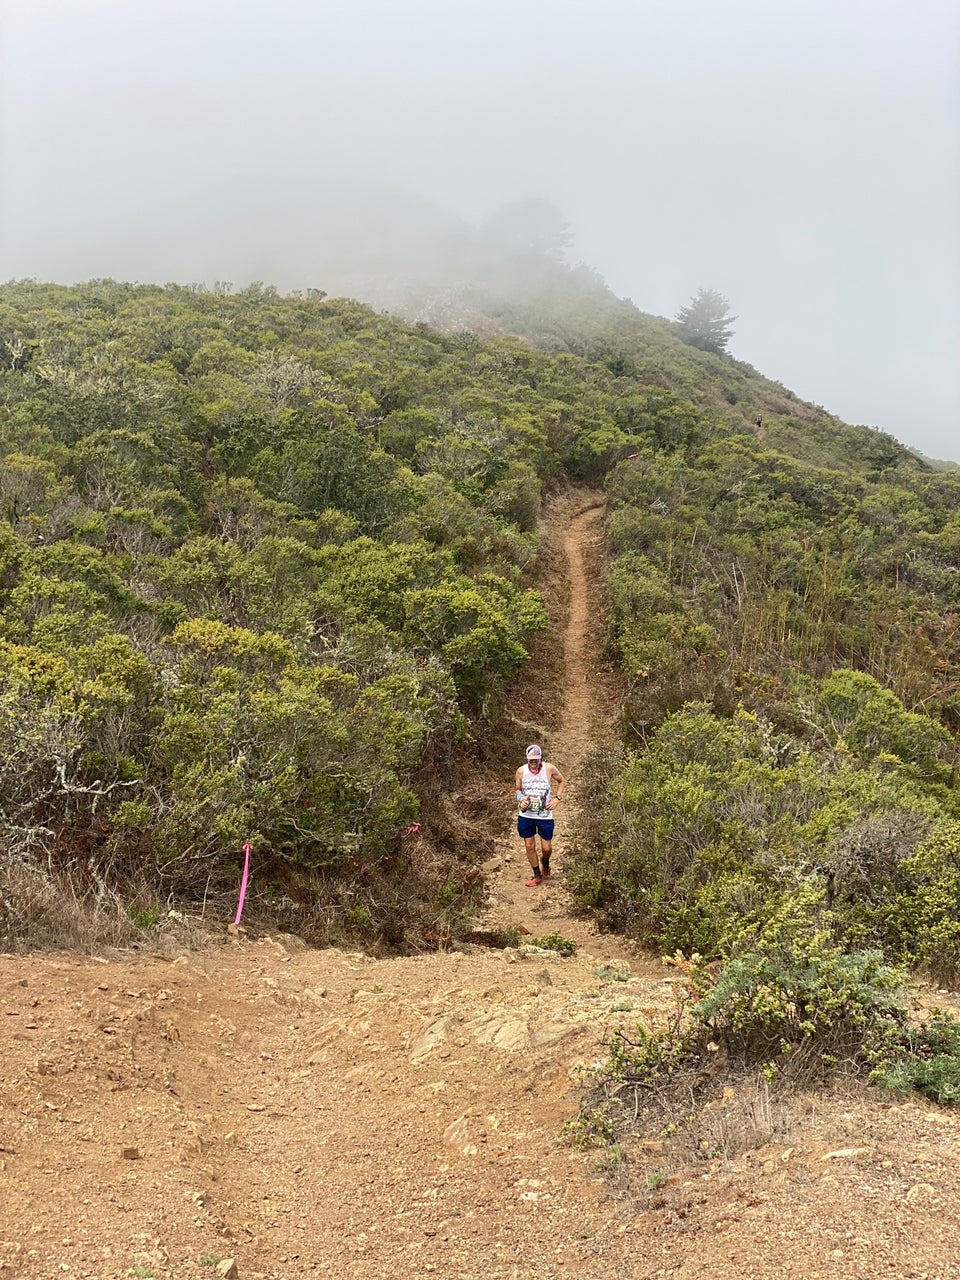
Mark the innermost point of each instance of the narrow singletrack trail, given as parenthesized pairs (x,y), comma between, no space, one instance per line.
(583,539)
(588,723)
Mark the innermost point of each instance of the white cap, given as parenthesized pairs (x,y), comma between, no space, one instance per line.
(534,752)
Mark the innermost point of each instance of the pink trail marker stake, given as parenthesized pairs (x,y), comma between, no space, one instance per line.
(243,881)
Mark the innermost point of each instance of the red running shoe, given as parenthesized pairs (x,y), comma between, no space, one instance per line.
(533,882)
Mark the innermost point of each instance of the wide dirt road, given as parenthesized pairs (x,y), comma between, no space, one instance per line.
(323,1113)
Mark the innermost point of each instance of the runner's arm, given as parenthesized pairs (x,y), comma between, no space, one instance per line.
(557,783)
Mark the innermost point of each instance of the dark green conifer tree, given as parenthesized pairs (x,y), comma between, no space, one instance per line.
(706,321)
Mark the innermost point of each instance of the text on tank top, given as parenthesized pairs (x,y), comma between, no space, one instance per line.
(536,787)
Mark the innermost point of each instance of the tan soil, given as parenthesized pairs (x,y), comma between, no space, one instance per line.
(324,1113)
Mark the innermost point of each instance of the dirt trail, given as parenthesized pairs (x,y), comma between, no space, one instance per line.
(587,720)
(322,1113)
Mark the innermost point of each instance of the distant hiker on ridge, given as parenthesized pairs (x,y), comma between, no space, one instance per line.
(536,800)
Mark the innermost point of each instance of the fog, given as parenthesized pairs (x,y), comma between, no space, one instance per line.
(800,156)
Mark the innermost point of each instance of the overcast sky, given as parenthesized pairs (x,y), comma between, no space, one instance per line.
(801,156)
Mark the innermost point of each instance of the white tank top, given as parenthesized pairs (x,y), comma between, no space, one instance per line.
(536,786)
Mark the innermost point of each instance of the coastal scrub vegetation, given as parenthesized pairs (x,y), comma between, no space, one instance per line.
(268,564)
(790,638)
(264,562)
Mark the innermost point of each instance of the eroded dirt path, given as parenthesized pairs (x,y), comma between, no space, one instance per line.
(587,720)
(323,1113)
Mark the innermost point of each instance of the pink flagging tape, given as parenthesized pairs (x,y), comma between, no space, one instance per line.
(243,882)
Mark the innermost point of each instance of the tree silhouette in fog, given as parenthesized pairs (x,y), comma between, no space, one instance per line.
(706,321)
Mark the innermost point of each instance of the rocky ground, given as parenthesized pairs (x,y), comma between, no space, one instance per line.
(262,1109)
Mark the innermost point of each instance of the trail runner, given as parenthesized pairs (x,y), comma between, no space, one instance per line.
(539,788)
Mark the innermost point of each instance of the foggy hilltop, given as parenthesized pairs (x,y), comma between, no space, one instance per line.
(799,158)
(380,245)
(516,271)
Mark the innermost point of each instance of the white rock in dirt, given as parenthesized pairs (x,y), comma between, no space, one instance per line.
(847,1153)
(508,1033)
(429,1037)
(529,952)
(921,1191)
(553,1033)
(228,1269)
(456,1133)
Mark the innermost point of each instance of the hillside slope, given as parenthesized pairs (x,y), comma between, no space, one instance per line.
(568,311)
(324,1113)
(212,501)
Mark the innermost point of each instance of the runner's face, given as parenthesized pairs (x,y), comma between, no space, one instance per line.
(534,765)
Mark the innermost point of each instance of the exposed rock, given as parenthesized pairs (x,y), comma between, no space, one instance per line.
(503,1031)
(456,1133)
(921,1191)
(429,1037)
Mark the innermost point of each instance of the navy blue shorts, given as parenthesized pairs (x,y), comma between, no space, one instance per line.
(542,827)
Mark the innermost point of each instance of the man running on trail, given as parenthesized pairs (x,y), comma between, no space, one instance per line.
(539,788)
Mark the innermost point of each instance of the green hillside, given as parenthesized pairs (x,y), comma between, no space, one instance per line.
(266,561)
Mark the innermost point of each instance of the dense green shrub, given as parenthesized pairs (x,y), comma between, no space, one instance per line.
(721,823)
(872,721)
(263,561)
(795,1011)
(931,924)
(925,1057)
(800,1003)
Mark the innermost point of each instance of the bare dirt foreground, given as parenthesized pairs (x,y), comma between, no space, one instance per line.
(266,1110)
